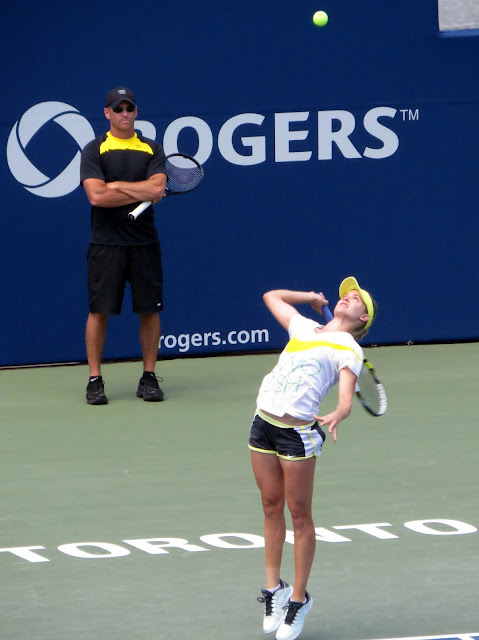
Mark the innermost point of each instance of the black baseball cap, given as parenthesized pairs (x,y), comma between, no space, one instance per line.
(120,94)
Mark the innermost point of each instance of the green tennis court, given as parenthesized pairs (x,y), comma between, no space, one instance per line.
(137,521)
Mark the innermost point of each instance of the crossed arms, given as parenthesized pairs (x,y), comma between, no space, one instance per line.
(120,193)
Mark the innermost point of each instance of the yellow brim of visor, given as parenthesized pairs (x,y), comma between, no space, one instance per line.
(350,283)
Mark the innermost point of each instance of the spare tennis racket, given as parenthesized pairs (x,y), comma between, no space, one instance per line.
(369,389)
(184,174)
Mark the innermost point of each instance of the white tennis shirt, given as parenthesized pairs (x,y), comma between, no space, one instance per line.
(307,369)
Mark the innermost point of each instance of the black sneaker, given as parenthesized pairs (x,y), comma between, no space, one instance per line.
(95,391)
(149,389)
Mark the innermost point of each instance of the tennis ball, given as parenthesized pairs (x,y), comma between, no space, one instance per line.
(320,18)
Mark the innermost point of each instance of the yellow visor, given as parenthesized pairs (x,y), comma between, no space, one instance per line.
(350,283)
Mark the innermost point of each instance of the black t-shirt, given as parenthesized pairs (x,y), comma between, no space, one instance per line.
(134,159)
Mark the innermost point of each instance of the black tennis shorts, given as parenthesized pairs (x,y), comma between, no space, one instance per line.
(110,267)
(290,443)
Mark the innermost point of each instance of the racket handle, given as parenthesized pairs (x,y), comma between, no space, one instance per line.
(133,215)
(327,313)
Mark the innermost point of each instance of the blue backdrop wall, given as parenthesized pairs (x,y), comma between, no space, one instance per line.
(348,149)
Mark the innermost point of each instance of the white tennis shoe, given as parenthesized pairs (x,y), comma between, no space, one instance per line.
(274,604)
(293,619)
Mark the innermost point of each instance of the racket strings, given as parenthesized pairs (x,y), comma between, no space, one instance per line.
(371,392)
(183,174)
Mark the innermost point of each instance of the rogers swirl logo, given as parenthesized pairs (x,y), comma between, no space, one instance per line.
(23,131)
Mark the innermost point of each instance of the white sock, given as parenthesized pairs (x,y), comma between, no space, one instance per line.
(275,589)
(305,600)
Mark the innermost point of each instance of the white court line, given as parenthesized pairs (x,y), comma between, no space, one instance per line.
(452,636)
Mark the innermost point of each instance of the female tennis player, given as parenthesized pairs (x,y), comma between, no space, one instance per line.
(286,435)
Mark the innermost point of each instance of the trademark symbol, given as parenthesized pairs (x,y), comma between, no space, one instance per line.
(409,115)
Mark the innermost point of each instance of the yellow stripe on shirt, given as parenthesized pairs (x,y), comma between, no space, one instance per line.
(130,144)
(295,346)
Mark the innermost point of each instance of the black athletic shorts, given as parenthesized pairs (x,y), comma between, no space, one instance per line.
(290,443)
(110,267)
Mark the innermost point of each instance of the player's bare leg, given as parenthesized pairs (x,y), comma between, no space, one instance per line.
(95,335)
(299,477)
(149,339)
(95,340)
(269,478)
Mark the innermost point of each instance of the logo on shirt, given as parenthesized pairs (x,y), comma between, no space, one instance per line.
(23,133)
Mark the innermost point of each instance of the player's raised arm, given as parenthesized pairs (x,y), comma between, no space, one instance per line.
(281,303)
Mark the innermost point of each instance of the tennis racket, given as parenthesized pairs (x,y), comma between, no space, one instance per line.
(369,389)
(184,174)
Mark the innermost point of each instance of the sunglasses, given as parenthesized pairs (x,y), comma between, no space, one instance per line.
(130,108)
